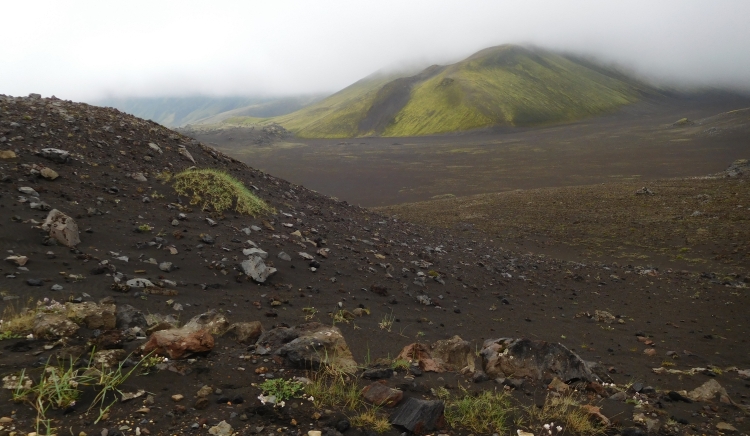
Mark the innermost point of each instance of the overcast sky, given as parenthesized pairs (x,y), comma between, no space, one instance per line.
(84,50)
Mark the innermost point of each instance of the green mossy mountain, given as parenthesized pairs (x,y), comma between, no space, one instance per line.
(500,86)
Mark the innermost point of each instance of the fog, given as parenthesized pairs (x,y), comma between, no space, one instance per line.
(86,50)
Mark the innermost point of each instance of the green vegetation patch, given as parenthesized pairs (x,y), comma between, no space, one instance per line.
(218,190)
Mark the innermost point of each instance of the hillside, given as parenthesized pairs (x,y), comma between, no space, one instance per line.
(180,111)
(500,86)
(146,310)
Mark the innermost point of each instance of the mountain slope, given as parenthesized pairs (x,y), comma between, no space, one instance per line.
(179,111)
(506,85)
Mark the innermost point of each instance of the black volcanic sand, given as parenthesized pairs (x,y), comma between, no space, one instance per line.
(701,319)
(637,143)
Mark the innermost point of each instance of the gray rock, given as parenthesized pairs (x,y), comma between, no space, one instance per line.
(53,326)
(140,283)
(255,252)
(28,191)
(377,373)
(246,332)
(62,228)
(420,416)
(166,266)
(256,269)
(255,228)
(310,346)
(127,316)
(537,360)
(139,177)
(34,282)
(155,147)
(55,155)
(284,256)
(221,429)
(40,206)
(56,287)
(211,321)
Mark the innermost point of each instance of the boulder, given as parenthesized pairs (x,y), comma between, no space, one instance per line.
(256,269)
(62,228)
(221,429)
(381,395)
(246,332)
(419,416)
(92,315)
(708,391)
(178,343)
(310,345)
(454,354)
(538,360)
(127,316)
(53,326)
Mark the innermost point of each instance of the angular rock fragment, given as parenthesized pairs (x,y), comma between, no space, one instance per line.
(419,416)
(178,343)
(310,345)
(62,228)
(454,354)
(55,155)
(53,326)
(381,395)
(537,360)
(92,315)
(256,269)
(245,332)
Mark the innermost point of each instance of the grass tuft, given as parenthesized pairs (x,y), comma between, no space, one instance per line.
(371,419)
(485,412)
(218,190)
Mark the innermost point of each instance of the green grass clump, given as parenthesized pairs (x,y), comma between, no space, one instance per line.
(485,412)
(282,389)
(218,190)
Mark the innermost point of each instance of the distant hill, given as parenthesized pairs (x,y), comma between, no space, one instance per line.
(179,111)
(500,86)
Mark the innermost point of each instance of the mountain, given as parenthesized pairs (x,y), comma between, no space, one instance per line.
(506,85)
(179,111)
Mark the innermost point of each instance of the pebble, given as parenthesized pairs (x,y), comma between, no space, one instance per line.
(34,282)
(56,287)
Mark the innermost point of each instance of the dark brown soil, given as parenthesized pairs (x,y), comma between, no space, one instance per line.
(699,317)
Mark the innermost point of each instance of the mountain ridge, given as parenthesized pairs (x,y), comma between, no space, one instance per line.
(504,85)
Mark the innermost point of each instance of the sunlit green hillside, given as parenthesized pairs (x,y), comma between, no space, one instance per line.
(506,85)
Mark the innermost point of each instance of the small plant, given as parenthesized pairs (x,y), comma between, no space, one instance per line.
(340,316)
(282,389)
(144,228)
(401,364)
(387,322)
(372,420)
(667,363)
(310,313)
(150,361)
(485,412)
(332,388)
(155,195)
(218,190)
